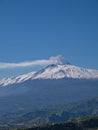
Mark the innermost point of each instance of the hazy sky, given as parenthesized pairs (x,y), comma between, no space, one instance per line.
(38,29)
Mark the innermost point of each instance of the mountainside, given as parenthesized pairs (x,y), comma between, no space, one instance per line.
(53,86)
(86,123)
(53,72)
(58,114)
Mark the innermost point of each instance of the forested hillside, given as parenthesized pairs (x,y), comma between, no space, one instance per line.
(58,114)
(87,123)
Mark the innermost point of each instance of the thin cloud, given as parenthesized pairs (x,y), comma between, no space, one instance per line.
(52,60)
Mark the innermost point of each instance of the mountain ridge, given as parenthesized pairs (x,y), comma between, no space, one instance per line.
(53,71)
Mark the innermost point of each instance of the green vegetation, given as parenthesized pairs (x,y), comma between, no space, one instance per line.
(87,123)
(53,115)
(60,113)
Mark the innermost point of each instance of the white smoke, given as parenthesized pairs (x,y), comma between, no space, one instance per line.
(59,60)
(52,60)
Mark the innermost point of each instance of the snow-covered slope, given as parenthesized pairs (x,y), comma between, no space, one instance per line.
(54,72)
(18,79)
(65,71)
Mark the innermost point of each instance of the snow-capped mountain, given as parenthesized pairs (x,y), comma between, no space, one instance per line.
(65,71)
(56,84)
(53,71)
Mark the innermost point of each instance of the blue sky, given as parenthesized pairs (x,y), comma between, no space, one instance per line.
(38,29)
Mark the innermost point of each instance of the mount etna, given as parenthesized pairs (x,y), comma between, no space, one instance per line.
(53,86)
